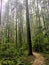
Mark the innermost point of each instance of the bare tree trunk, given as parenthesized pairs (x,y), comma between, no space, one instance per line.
(16,29)
(28,29)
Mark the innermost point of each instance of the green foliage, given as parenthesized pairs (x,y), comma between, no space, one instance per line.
(7,62)
(40,42)
(46,56)
(10,55)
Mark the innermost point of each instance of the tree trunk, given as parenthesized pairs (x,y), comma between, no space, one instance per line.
(16,30)
(28,29)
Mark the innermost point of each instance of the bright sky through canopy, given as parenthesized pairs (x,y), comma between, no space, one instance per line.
(3,4)
(0,4)
(4,1)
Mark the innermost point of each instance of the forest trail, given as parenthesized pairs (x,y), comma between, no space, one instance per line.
(39,59)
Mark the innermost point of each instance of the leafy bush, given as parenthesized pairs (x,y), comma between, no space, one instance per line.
(38,43)
(8,51)
(38,47)
(7,62)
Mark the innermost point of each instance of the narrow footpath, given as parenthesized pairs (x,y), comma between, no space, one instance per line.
(39,59)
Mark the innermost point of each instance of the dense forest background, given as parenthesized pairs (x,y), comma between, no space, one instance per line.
(24,29)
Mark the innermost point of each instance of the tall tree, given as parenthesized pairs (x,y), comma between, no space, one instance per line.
(28,29)
(7,20)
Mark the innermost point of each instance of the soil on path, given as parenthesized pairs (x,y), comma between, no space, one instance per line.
(39,59)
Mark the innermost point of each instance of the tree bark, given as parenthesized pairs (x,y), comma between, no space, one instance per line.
(28,29)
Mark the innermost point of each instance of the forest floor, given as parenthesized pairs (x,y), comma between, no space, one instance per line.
(39,59)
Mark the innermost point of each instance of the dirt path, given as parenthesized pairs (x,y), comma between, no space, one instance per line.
(39,59)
